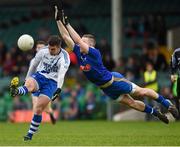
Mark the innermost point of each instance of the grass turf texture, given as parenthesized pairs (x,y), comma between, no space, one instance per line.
(93,133)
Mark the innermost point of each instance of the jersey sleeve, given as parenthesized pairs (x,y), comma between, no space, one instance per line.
(64,65)
(94,52)
(34,63)
(38,57)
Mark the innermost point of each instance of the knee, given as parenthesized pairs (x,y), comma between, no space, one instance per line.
(38,110)
(30,84)
(132,104)
(128,101)
(143,92)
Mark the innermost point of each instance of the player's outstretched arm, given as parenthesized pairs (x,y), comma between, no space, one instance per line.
(59,15)
(77,39)
(64,33)
(75,36)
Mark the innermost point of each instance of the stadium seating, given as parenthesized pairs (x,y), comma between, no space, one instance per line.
(95,17)
(139,6)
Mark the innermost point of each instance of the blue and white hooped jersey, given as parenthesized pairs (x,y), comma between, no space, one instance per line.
(50,66)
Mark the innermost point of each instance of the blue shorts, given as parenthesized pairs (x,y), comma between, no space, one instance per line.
(118,87)
(46,86)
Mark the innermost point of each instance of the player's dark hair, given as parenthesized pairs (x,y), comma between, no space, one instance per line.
(40,42)
(91,37)
(54,40)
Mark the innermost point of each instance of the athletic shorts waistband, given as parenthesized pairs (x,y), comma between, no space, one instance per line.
(109,83)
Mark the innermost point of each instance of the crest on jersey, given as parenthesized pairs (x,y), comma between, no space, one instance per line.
(87,67)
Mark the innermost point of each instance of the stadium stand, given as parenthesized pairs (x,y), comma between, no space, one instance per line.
(89,16)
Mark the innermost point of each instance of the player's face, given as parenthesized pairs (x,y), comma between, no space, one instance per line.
(39,46)
(54,50)
(88,41)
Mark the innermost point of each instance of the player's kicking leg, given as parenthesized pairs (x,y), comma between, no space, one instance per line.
(13,86)
(140,106)
(146,92)
(30,85)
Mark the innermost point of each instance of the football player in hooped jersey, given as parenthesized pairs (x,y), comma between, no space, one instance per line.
(45,77)
(112,84)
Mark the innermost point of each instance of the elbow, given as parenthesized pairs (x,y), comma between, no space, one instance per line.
(79,41)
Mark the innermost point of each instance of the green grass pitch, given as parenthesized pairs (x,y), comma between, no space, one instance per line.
(94,133)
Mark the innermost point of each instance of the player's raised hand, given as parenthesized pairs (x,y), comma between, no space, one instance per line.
(57,13)
(64,18)
(56,94)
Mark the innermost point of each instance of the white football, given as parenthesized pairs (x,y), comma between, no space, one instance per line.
(25,42)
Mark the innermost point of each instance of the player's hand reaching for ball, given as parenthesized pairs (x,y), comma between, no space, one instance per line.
(56,94)
(57,14)
(64,18)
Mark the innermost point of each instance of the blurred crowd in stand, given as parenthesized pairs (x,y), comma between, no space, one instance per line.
(79,98)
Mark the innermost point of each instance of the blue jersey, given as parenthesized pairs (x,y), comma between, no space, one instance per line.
(92,66)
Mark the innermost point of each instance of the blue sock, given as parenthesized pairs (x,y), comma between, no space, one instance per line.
(166,103)
(22,90)
(34,125)
(150,110)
